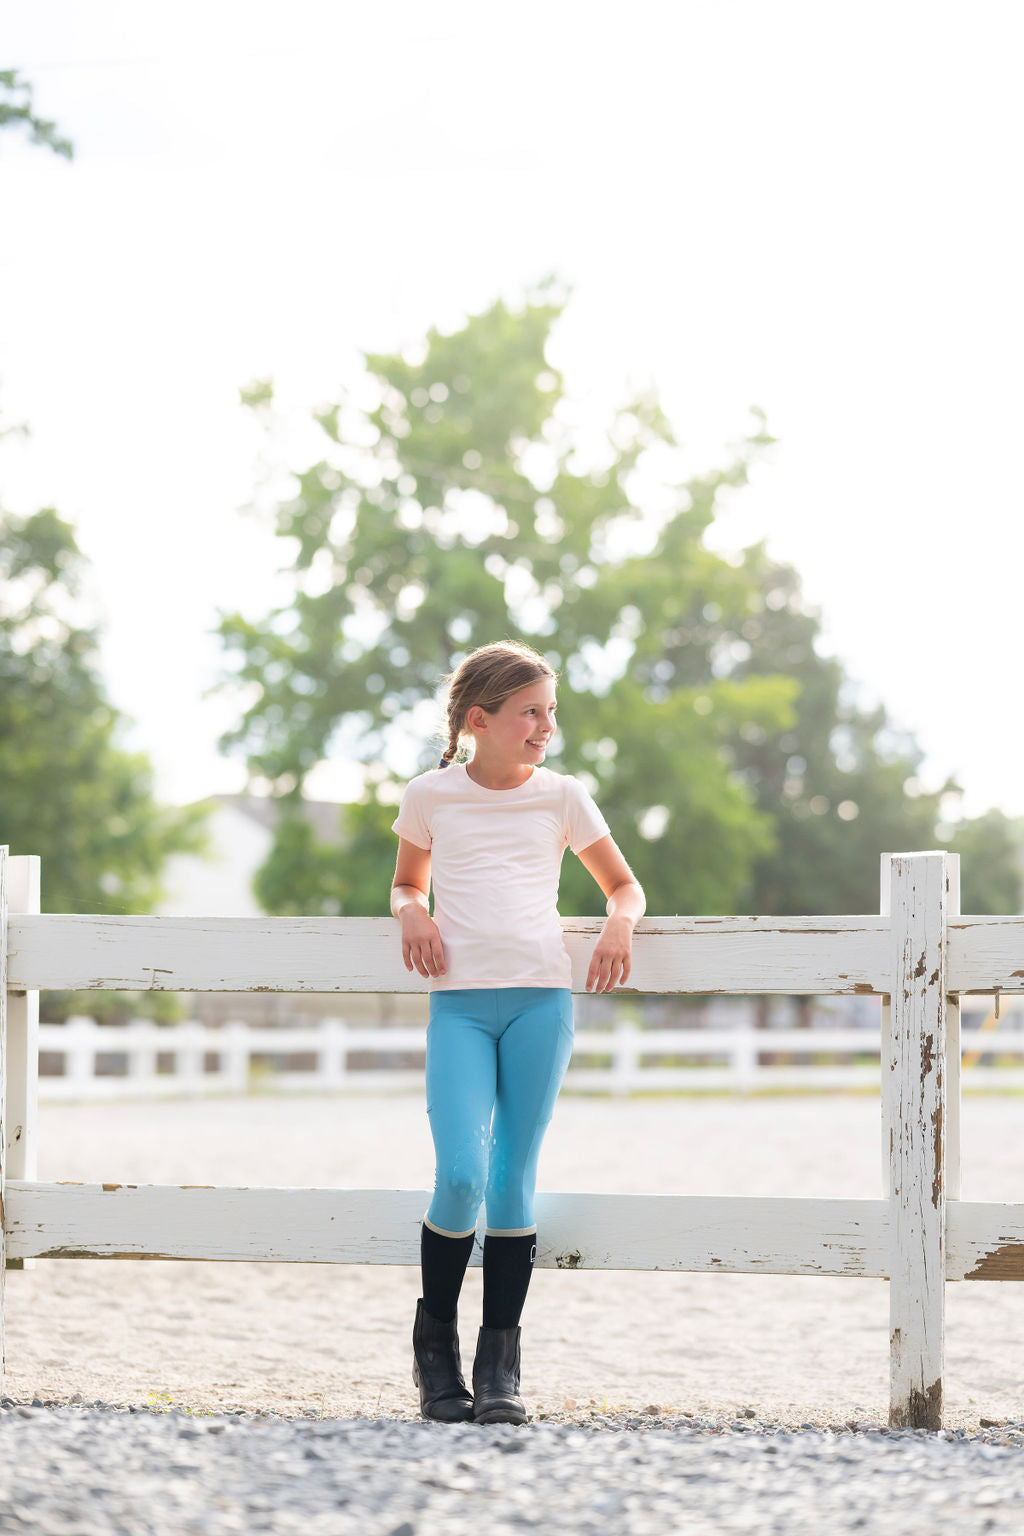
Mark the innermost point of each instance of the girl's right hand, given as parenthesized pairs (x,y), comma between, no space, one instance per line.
(421,942)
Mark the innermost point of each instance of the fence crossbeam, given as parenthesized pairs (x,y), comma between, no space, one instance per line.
(730,955)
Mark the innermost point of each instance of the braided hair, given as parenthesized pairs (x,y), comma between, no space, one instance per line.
(488,676)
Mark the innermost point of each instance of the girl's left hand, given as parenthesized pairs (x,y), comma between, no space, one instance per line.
(610,963)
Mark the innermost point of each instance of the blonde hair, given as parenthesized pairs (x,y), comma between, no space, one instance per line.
(488,676)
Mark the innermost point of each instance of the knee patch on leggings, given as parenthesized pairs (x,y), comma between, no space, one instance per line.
(459,1184)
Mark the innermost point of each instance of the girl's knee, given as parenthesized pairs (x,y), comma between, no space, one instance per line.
(459,1184)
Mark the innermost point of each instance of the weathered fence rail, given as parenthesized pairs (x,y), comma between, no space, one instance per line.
(143,1059)
(920,955)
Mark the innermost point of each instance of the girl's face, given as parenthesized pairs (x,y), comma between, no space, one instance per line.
(520,731)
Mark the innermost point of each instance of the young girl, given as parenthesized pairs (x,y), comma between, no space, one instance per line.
(491,833)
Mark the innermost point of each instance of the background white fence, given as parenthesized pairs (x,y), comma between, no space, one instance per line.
(143,1059)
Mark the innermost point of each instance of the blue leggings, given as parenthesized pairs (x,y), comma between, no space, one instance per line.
(496,1057)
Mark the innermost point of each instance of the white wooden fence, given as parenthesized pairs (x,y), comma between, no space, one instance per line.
(919,954)
(143,1059)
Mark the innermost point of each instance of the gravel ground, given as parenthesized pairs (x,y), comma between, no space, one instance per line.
(92,1469)
(208,1399)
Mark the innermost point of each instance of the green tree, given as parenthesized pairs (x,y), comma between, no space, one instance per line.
(729,755)
(68,791)
(841,784)
(454,511)
(990,848)
(16,112)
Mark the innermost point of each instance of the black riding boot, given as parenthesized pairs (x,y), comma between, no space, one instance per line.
(437,1370)
(496,1397)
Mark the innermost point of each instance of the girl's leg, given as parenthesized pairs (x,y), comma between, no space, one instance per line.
(461,1077)
(461,1072)
(533,1054)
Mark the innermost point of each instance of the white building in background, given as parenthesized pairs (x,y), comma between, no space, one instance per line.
(241,834)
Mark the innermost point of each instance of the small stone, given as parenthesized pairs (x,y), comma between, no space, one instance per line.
(570,1403)
(748,1413)
(653,1409)
(991,1423)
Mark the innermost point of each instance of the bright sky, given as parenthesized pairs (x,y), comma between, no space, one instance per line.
(812,207)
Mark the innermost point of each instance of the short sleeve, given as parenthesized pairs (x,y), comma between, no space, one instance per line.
(584,823)
(413,819)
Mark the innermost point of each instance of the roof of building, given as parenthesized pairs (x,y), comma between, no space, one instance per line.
(324,816)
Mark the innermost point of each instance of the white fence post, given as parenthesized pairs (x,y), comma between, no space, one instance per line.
(141,1045)
(78,1037)
(188,1041)
(22,1107)
(233,1047)
(913,1108)
(745,1048)
(624,1057)
(332,1058)
(4,859)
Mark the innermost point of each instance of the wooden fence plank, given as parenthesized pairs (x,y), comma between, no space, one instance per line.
(808,955)
(984,1240)
(914,1106)
(350,1226)
(733,1235)
(986,954)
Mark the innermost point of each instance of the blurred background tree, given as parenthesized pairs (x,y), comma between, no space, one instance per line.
(730,756)
(68,792)
(16,112)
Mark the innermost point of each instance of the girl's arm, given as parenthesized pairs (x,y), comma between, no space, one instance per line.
(410,903)
(612,958)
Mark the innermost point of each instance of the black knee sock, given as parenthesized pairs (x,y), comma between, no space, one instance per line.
(508,1265)
(443,1263)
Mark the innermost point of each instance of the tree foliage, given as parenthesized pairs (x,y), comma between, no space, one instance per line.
(459,507)
(16,112)
(68,791)
(990,862)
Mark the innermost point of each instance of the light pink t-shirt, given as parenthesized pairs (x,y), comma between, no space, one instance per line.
(495,856)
